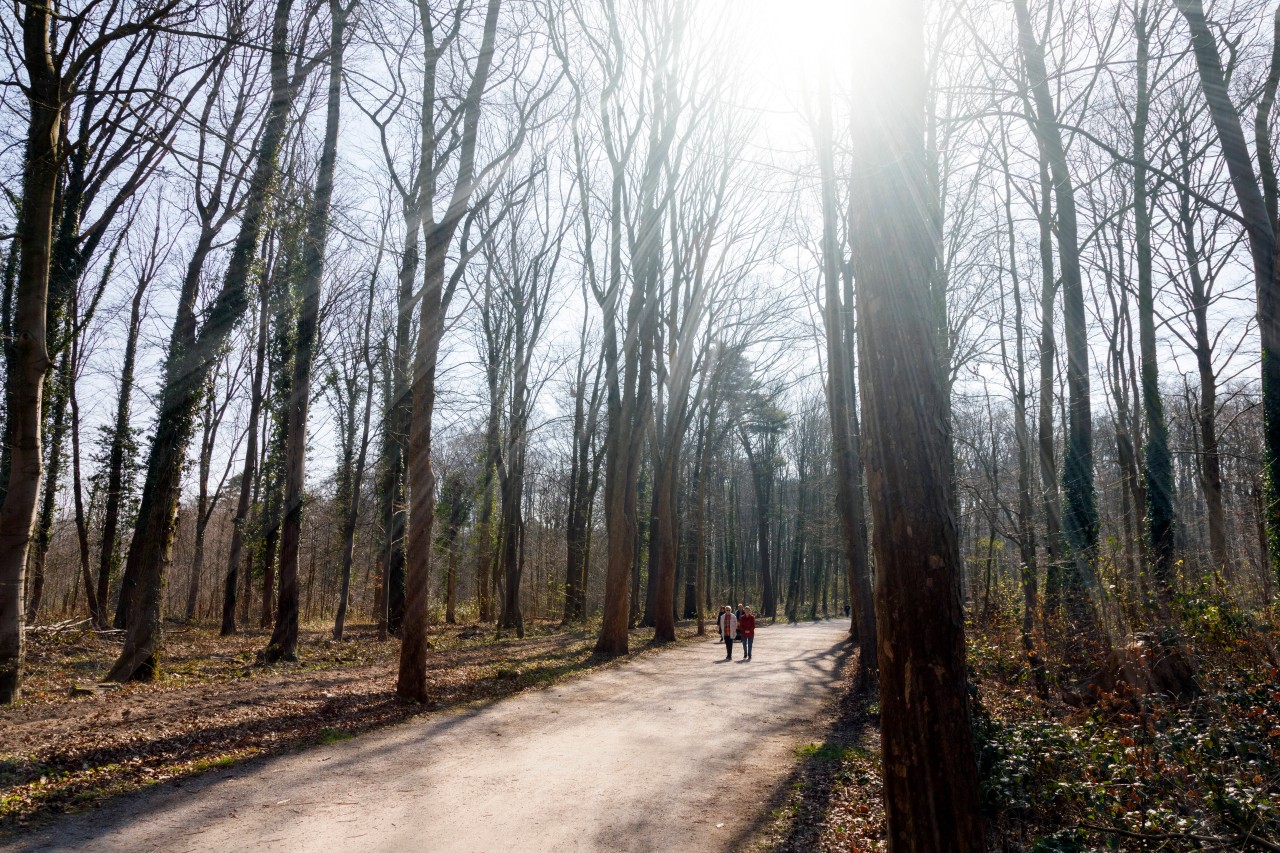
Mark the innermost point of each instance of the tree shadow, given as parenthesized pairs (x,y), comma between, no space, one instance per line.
(791,818)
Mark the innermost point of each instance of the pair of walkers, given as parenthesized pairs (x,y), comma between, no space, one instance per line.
(736,625)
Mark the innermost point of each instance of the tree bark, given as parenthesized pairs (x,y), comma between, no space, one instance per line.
(357,476)
(1028,571)
(26,357)
(96,610)
(119,454)
(762,479)
(412,680)
(1047,454)
(57,402)
(584,477)
(1209,463)
(930,777)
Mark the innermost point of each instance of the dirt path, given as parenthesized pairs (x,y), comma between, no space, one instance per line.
(669,752)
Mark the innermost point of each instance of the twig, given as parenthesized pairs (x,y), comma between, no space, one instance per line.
(1250,837)
(1182,836)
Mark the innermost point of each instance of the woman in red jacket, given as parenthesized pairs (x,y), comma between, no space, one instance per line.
(747,630)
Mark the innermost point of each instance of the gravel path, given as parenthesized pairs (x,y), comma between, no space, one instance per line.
(675,751)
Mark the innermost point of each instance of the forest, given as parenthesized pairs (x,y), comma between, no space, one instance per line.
(457,348)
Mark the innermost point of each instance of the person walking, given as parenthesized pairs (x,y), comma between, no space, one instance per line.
(747,629)
(728,630)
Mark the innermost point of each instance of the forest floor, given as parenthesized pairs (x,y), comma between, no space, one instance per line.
(70,743)
(663,752)
(1127,773)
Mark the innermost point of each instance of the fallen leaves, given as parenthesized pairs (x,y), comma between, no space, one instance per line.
(214,708)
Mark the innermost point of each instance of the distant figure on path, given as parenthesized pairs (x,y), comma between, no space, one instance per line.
(728,630)
(846,611)
(747,628)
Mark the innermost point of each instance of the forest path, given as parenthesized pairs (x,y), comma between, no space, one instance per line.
(676,751)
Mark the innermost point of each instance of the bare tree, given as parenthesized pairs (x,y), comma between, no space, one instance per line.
(192,350)
(283,644)
(354,480)
(838,319)
(1080,517)
(54,69)
(438,235)
(1259,202)
(523,256)
(212,414)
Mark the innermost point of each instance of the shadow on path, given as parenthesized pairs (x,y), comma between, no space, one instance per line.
(791,819)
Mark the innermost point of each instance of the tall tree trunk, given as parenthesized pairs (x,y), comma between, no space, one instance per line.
(1210,457)
(842,402)
(699,545)
(247,475)
(165,462)
(357,477)
(96,610)
(511,533)
(1047,453)
(650,542)
(930,778)
(191,358)
(394,433)
(270,542)
(204,504)
(457,509)
(412,680)
(1157,460)
(761,464)
(26,356)
(629,368)
(1027,568)
(197,565)
(57,401)
(484,527)
(584,477)
(1080,515)
(797,557)
(283,644)
(486,566)
(627,401)
(119,454)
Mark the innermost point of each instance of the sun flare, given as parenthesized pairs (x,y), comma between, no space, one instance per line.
(787,51)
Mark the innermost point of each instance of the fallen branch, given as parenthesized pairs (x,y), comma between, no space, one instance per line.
(1250,837)
(1230,843)
(56,628)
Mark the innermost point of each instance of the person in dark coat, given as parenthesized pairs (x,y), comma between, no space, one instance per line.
(747,630)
